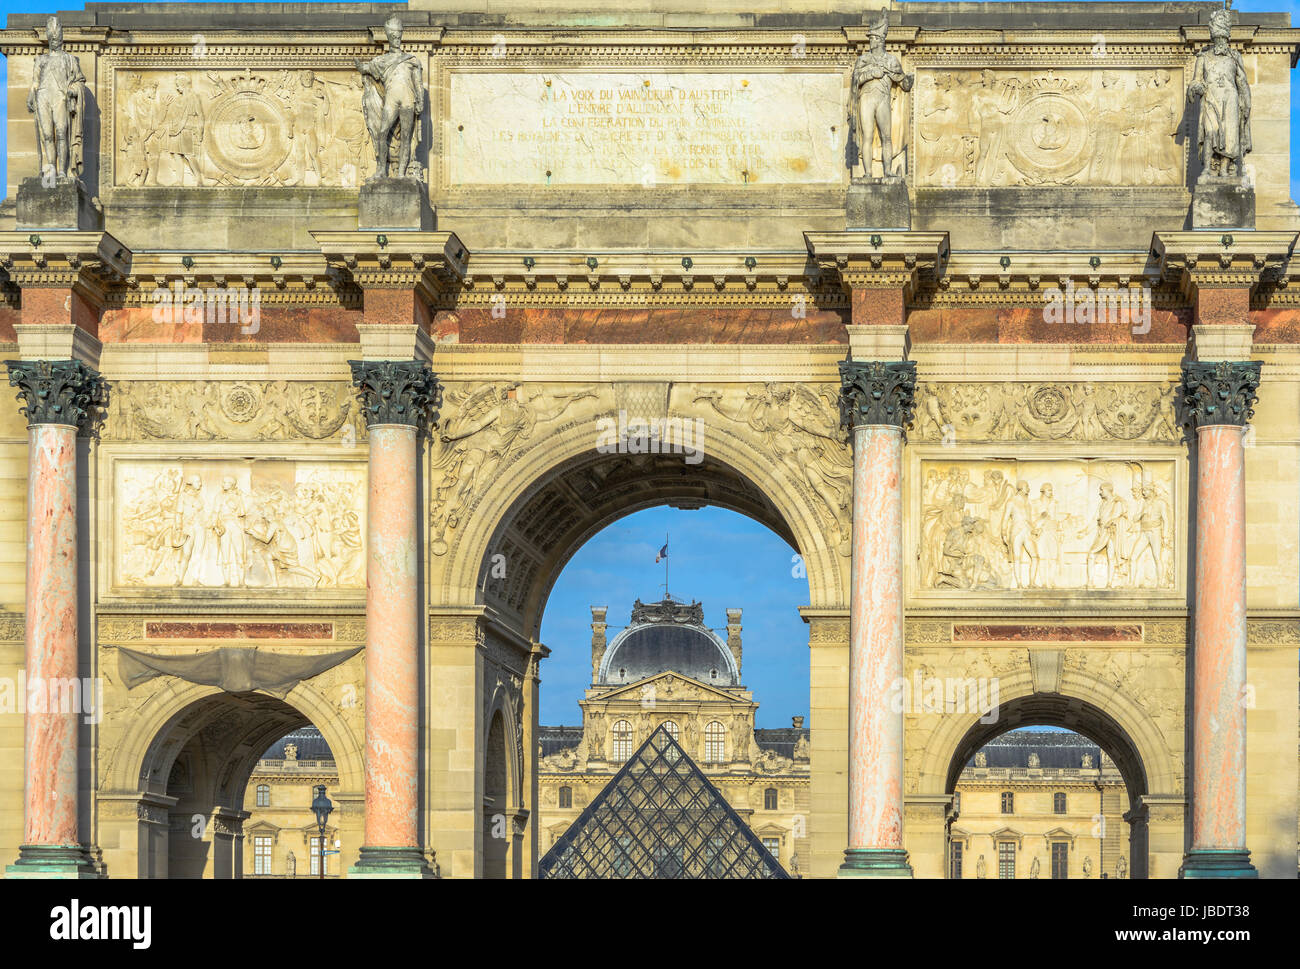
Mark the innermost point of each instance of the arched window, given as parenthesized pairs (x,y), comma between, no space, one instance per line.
(566,797)
(622,740)
(263,795)
(1008,803)
(671,727)
(1058,803)
(769,799)
(714,743)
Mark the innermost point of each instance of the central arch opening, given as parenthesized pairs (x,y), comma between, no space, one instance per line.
(614,522)
(1062,802)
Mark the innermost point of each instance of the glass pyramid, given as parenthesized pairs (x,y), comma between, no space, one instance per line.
(659,817)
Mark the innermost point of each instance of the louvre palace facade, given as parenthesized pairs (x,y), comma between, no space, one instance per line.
(335,331)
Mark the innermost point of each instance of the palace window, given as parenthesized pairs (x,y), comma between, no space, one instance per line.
(1006,859)
(714,743)
(622,740)
(769,799)
(1060,859)
(773,845)
(262,855)
(1008,803)
(1058,802)
(954,864)
(566,797)
(671,729)
(263,795)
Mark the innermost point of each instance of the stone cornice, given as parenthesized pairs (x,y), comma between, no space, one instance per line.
(878,259)
(429,262)
(1240,258)
(93,262)
(280,278)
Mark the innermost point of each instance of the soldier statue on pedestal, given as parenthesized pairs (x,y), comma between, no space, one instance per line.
(58,98)
(1219,82)
(401,79)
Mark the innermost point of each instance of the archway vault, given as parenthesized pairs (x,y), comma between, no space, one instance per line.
(549,499)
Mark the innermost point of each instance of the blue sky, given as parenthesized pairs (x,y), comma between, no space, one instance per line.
(720,558)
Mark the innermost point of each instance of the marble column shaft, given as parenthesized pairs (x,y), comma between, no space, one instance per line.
(392,635)
(1219,680)
(876,640)
(50,735)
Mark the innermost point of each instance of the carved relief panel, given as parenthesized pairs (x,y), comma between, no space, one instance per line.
(263,524)
(1045,526)
(990,128)
(276,127)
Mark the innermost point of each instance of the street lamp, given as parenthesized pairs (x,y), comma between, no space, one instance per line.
(322,806)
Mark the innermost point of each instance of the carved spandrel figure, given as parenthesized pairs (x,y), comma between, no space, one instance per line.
(401,78)
(876,73)
(58,99)
(1219,82)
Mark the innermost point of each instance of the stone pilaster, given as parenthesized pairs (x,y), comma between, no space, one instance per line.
(1218,397)
(60,398)
(876,403)
(397,398)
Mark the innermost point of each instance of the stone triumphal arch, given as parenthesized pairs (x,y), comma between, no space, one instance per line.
(335,333)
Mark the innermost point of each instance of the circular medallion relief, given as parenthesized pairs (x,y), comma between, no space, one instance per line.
(248,134)
(241,402)
(1049,134)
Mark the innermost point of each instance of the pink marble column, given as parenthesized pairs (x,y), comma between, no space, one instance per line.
(1218,809)
(59,396)
(392,632)
(50,740)
(877,402)
(876,640)
(397,399)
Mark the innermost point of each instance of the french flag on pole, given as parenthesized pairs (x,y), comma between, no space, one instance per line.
(663,554)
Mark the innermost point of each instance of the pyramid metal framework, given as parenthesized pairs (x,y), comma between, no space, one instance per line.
(659,817)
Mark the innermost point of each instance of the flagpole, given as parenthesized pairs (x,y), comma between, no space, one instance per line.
(665,567)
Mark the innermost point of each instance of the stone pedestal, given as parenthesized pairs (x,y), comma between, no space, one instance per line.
(64,205)
(878,204)
(395,203)
(1222,203)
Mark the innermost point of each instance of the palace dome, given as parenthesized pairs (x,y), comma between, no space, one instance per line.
(668,636)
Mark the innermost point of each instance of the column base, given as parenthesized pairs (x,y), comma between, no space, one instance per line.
(391,863)
(54,861)
(1217,863)
(875,863)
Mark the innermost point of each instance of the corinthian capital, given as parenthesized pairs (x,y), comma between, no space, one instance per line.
(396,391)
(59,392)
(872,392)
(1222,392)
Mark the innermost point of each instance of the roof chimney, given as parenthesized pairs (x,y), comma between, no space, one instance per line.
(598,642)
(733,635)
(798,722)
